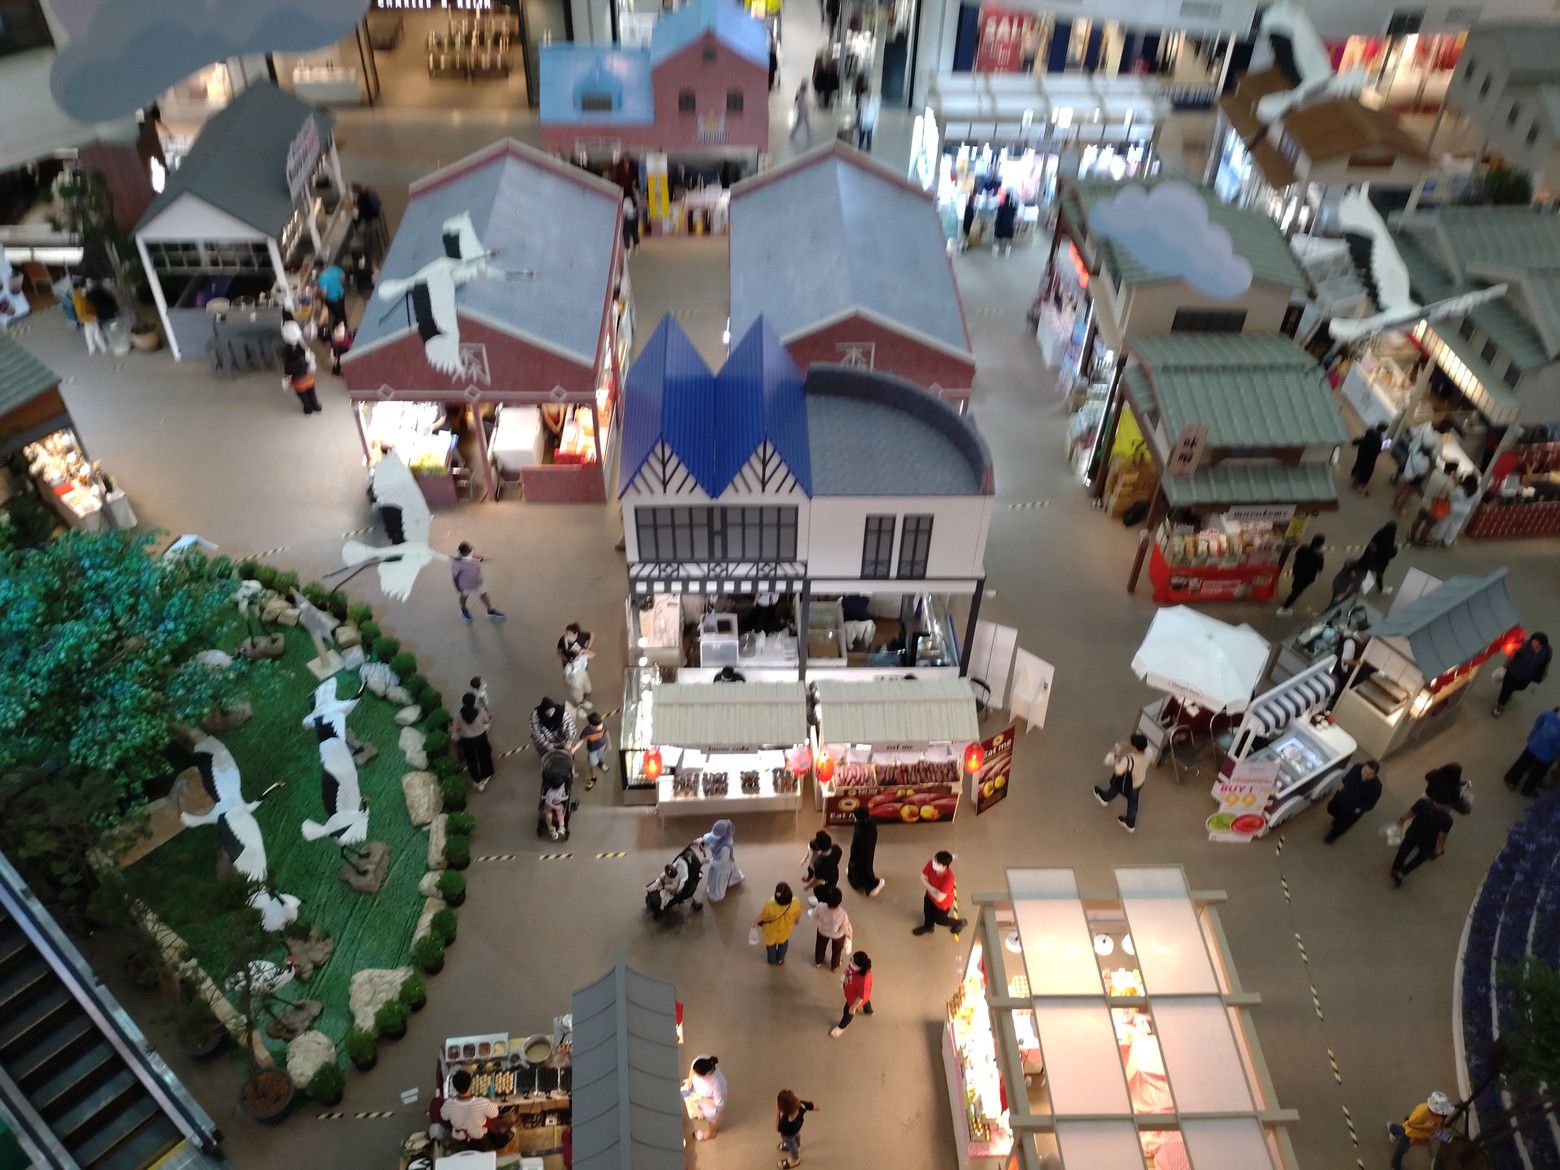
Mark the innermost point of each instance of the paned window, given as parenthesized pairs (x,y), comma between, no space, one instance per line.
(915,547)
(1208,321)
(743,534)
(686,102)
(23,27)
(733,101)
(877,551)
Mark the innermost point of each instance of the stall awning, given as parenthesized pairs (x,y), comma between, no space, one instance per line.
(627,1112)
(729,715)
(22,376)
(931,710)
(1453,623)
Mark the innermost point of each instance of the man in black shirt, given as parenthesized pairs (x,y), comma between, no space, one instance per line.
(1307,567)
(1425,827)
(1360,791)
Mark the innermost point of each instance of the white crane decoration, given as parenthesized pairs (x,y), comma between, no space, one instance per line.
(407,520)
(340,790)
(1303,61)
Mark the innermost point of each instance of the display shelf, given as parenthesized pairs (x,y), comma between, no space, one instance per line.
(767,798)
(1176,584)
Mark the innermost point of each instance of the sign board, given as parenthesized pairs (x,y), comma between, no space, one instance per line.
(1187,453)
(1032,678)
(301,157)
(991,658)
(634,29)
(893,804)
(1009,40)
(1260,514)
(989,786)
(925,149)
(1243,798)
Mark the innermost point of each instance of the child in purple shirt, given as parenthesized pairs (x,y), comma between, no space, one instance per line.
(466,573)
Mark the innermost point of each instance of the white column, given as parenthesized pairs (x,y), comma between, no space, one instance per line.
(937,28)
(157,295)
(280,269)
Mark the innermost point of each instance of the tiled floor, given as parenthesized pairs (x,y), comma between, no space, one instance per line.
(237,462)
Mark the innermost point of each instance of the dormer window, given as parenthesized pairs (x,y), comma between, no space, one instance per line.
(686,102)
(597,102)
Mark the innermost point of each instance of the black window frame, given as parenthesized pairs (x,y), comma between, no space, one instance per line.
(1465,328)
(687,101)
(1208,321)
(1484,88)
(700,534)
(915,546)
(735,101)
(1512,375)
(597,101)
(1532,134)
(1513,114)
(1489,350)
(877,561)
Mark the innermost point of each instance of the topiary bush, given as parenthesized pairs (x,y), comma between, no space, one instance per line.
(360,613)
(414,992)
(267,575)
(370,631)
(221,566)
(454,790)
(452,887)
(390,1019)
(316,594)
(445,925)
(405,665)
(436,720)
(285,581)
(327,1085)
(362,1048)
(386,648)
(460,824)
(248,568)
(428,953)
(457,852)
(336,602)
(437,744)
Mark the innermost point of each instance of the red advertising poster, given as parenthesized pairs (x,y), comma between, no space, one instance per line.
(989,783)
(904,804)
(1009,40)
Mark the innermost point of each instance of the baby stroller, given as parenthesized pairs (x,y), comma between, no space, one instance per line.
(677,883)
(557,765)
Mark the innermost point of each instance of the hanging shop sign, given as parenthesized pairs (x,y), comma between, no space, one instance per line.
(301,157)
(989,782)
(1004,35)
(917,793)
(1243,798)
(1260,514)
(1187,454)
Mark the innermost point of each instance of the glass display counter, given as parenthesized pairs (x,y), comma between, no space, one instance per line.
(639,684)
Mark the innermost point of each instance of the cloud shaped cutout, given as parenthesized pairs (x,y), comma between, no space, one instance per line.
(1165,228)
(133,50)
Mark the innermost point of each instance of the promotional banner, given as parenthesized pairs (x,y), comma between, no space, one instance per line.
(903,804)
(1243,798)
(989,785)
(1009,40)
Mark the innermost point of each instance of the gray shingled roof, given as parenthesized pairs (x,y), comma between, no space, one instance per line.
(22,376)
(860,447)
(239,161)
(1253,390)
(834,233)
(1255,236)
(1531,49)
(927,710)
(739,715)
(1453,622)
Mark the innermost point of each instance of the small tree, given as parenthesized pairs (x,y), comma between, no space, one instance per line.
(1506,186)
(86,212)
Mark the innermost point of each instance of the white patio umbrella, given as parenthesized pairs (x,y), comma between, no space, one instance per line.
(1201,660)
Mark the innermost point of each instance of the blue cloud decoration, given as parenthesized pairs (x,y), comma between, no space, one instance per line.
(1166,229)
(132,50)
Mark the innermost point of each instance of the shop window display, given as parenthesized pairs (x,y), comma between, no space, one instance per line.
(68,479)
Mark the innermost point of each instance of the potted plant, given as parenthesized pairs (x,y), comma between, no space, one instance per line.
(428,953)
(267,1096)
(362,1048)
(414,992)
(457,852)
(452,887)
(390,1019)
(201,1034)
(327,1085)
(445,924)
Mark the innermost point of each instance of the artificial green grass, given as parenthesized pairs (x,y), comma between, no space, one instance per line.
(369,930)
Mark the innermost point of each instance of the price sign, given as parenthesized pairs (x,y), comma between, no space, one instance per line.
(1243,798)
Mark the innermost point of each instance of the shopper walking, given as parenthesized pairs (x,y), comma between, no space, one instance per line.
(87,318)
(105,307)
(466,574)
(1538,754)
(340,344)
(1306,568)
(331,282)
(597,744)
(940,889)
(1435,502)
(790,1112)
(858,991)
(1423,454)
(298,367)
(861,871)
(833,928)
(823,864)
(1367,451)
(1128,764)
(1529,665)
(1379,553)
(722,872)
(630,221)
(1346,583)
(868,105)
(471,734)
(705,1090)
(552,728)
(1424,1126)
(574,652)
(1424,828)
(776,921)
(1004,223)
(801,120)
(1356,796)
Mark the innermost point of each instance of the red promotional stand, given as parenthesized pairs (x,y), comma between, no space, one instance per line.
(1178,584)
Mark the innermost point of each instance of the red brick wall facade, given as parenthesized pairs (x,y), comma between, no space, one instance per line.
(891,351)
(512,365)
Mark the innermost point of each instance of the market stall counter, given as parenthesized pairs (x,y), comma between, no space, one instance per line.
(529,1078)
(895,747)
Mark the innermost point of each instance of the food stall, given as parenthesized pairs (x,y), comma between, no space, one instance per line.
(897,747)
(1380,384)
(35,425)
(1288,726)
(712,749)
(1420,660)
(1222,556)
(1107,1030)
(531,390)
(530,1078)
(259,194)
(1334,638)
(1524,495)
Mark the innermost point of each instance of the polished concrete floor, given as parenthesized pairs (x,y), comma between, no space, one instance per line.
(238,463)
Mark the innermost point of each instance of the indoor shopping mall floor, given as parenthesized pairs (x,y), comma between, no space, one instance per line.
(236,462)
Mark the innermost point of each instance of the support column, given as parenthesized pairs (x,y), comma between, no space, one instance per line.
(1156,513)
(157,295)
(490,489)
(803,617)
(969,628)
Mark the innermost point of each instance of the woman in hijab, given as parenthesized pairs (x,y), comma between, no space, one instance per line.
(721,844)
(552,728)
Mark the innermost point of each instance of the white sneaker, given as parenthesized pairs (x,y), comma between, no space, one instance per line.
(1285,612)
(877,889)
(836,1032)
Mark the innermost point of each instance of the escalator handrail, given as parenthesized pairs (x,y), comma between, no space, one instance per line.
(111,1020)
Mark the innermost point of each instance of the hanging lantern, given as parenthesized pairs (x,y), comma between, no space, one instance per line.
(801,761)
(652,765)
(825,768)
(974,757)
(1513,641)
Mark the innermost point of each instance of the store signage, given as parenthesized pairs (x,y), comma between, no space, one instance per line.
(1243,798)
(634,29)
(903,804)
(989,785)
(1187,454)
(1261,514)
(1009,39)
(301,157)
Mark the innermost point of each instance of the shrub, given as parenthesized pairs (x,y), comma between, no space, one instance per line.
(247,568)
(327,1085)
(436,720)
(362,1048)
(405,665)
(457,852)
(445,925)
(221,567)
(414,992)
(286,581)
(452,887)
(460,824)
(316,594)
(428,953)
(267,575)
(336,602)
(386,648)
(359,612)
(390,1019)
(437,744)
(370,630)
(453,789)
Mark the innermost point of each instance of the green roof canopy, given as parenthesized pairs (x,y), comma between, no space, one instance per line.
(22,376)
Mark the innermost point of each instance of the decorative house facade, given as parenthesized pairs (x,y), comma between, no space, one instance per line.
(1507,84)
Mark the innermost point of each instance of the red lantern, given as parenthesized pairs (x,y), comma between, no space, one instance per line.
(825,768)
(1513,641)
(801,761)
(652,765)
(974,757)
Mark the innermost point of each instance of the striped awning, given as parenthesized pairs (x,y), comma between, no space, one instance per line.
(1300,697)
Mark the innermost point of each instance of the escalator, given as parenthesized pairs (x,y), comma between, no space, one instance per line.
(79,1085)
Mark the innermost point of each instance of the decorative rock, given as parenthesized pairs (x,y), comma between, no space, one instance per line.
(398,695)
(214,659)
(347,635)
(429,886)
(247,594)
(229,718)
(287,615)
(190,795)
(424,800)
(417,759)
(371,989)
(438,830)
(353,658)
(308,1054)
(309,954)
(262,647)
(410,739)
(294,1020)
(366,872)
(362,750)
(271,608)
(407,716)
(378,677)
(431,906)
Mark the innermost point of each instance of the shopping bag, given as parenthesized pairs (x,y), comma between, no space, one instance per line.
(753,935)
(1500,674)
(1393,833)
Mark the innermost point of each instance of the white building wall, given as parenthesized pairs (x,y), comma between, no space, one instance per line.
(838,530)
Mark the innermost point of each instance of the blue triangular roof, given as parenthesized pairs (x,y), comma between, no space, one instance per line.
(669,393)
(733,27)
(758,396)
